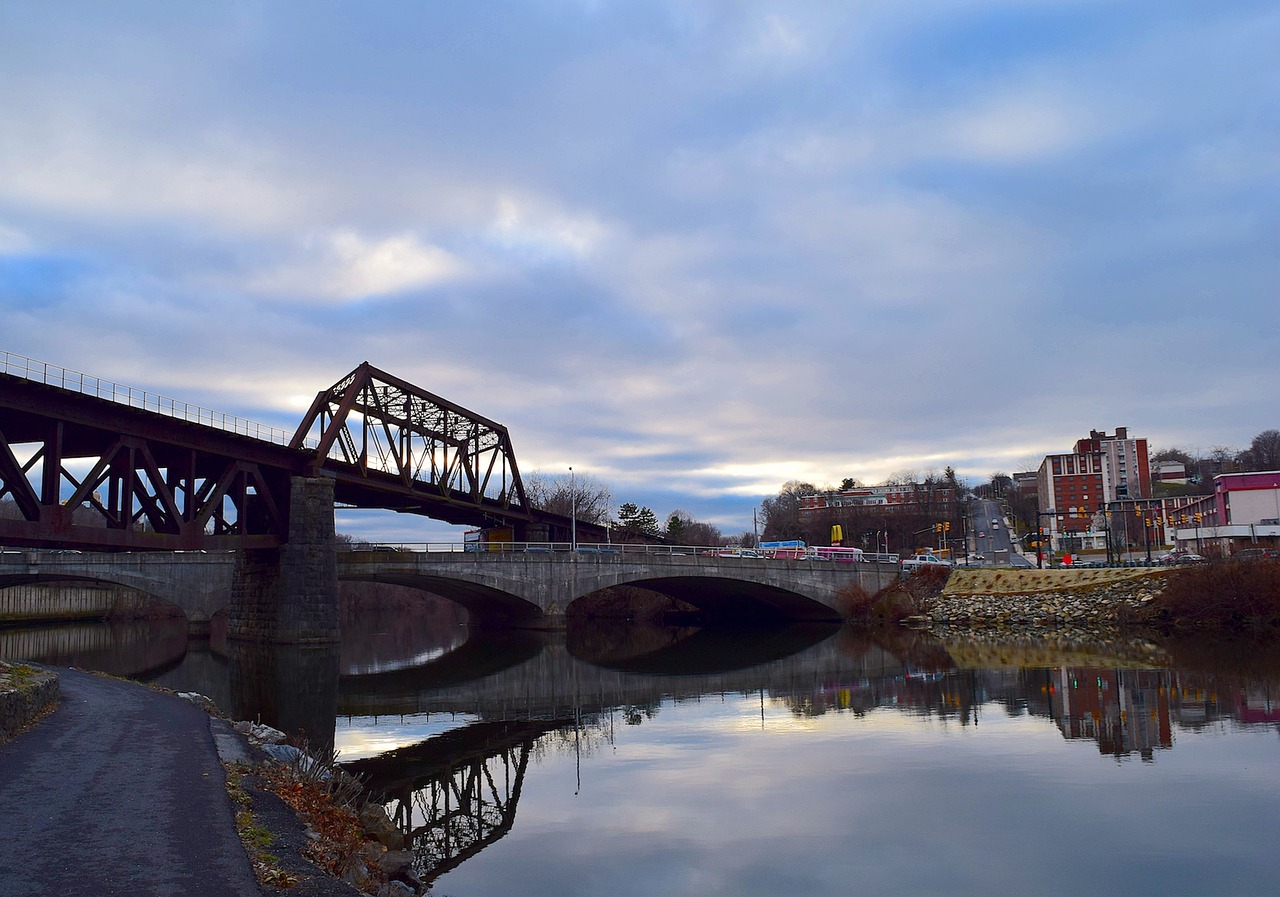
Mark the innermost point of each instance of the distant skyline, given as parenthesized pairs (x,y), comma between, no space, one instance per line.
(691,249)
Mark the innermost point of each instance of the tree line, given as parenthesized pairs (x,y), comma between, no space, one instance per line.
(935,499)
(591,501)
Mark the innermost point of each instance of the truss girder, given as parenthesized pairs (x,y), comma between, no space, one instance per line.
(83,485)
(372,426)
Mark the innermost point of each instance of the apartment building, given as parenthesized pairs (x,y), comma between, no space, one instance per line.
(1075,488)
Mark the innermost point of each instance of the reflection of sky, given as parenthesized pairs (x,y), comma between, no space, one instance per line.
(702,799)
(358,737)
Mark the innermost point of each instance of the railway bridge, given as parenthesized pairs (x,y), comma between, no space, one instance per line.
(89,467)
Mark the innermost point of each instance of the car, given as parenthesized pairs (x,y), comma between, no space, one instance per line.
(1257,554)
(1189,558)
(924,560)
(982,534)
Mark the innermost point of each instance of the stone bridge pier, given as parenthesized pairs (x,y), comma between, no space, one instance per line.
(290,594)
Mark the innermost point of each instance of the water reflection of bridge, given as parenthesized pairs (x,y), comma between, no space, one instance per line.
(553,683)
(456,794)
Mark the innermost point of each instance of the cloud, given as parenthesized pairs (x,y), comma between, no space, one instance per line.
(13,241)
(1015,130)
(698,248)
(522,228)
(345,265)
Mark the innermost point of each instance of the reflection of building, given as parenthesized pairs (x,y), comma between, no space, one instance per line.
(1125,711)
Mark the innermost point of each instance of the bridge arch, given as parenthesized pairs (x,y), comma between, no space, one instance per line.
(728,599)
(486,604)
(197,583)
(50,595)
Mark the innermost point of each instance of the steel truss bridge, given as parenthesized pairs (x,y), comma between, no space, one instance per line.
(90,464)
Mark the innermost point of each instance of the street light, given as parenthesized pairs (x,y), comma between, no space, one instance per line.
(573,515)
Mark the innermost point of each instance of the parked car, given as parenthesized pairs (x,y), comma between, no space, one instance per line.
(1189,558)
(1257,554)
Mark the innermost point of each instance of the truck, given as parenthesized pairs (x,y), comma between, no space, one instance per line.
(790,549)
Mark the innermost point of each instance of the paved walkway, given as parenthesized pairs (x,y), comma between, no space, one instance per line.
(119,791)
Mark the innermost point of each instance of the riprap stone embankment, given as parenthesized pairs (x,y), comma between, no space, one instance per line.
(1080,599)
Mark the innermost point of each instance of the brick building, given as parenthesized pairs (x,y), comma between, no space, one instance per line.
(1075,489)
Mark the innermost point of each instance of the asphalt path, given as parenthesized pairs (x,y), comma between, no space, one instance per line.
(118,791)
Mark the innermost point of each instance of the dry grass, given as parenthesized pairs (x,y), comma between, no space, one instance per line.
(1010,581)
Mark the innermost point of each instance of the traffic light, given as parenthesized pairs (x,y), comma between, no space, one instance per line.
(1184,518)
(937,527)
(1197,520)
(946,527)
(1137,511)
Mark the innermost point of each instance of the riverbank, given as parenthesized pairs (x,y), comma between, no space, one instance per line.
(1087,600)
(26,693)
(1231,595)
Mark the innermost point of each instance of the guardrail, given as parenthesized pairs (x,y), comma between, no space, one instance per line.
(636,549)
(74,381)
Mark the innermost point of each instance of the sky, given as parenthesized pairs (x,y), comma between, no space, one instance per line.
(692,249)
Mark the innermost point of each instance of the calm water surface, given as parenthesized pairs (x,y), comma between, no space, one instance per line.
(645,762)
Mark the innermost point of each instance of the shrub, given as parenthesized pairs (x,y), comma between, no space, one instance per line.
(1229,593)
(894,603)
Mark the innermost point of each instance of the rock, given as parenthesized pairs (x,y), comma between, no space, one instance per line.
(374,821)
(285,753)
(396,889)
(264,734)
(357,875)
(396,863)
(205,704)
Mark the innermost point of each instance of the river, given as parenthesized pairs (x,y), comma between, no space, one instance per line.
(633,761)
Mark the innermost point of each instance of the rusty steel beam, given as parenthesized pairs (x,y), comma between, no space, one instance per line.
(114,477)
(81,471)
(375,431)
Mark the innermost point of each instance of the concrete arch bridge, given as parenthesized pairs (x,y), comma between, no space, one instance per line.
(535,586)
(529,588)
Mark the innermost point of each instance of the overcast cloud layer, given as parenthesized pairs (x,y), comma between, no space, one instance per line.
(695,249)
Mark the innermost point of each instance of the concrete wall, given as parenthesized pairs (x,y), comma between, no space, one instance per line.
(69,601)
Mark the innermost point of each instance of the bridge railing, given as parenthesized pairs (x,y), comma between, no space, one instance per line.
(630,549)
(86,384)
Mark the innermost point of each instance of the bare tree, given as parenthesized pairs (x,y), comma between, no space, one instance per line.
(565,494)
(1264,451)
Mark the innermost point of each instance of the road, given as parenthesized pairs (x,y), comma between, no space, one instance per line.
(989,533)
(118,791)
